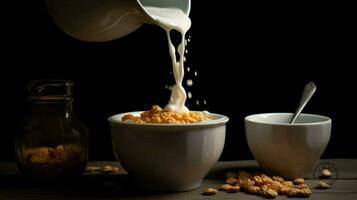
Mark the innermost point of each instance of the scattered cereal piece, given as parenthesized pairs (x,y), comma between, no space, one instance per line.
(225,187)
(233,189)
(292,192)
(258,180)
(275,185)
(271,194)
(299,192)
(92,169)
(59,151)
(247,183)
(106,169)
(231,181)
(268,193)
(262,190)
(210,191)
(109,169)
(284,190)
(301,186)
(253,189)
(115,169)
(239,182)
(298,181)
(306,192)
(288,183)
(278,178)
(266,179)
(325,174)
(322,185)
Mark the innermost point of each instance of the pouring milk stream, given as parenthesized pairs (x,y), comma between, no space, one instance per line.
(169,19)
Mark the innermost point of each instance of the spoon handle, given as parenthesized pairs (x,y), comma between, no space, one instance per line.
(309,90)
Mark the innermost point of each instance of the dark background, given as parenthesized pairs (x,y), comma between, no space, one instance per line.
(250,58)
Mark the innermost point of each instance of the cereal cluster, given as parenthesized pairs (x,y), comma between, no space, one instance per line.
(158,115)
(107,169)
(263,185)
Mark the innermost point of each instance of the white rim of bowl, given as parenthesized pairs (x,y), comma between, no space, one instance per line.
(325,119)
(219,119)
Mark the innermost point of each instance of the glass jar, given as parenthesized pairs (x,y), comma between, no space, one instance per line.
(53,142)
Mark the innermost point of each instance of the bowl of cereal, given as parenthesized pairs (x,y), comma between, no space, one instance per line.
(167,151)
(285,149)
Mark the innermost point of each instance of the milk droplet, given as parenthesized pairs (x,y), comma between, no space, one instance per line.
(189,82)
(189,95)
(188,69)
(197,102)
(184,59)
(195,73)
(204,102)
(170,73)
(186,51)
(189,40)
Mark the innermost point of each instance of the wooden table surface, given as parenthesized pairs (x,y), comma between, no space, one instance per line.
(119,186)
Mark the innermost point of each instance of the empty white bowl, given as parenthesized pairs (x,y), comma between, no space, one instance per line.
(168,157)
(288,150)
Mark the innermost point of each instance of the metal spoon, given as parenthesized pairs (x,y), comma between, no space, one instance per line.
(309,90)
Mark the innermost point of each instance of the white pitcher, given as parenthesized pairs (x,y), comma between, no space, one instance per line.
(105,20)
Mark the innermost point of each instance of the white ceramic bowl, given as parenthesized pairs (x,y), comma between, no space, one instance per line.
(288,150)
(168,157)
